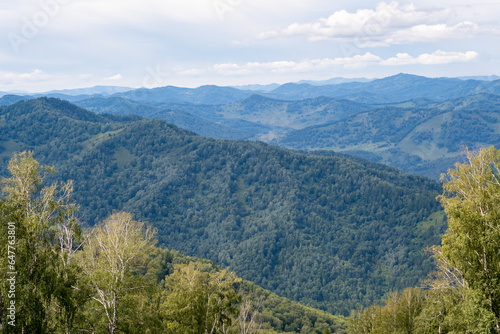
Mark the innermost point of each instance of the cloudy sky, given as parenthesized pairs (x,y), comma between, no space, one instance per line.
(58,44)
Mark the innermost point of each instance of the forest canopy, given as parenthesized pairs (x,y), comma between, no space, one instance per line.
(112,278)
(463,295)
(330,231)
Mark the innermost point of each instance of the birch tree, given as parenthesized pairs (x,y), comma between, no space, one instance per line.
(35,213)
(471,245)
(248,319)
(199,302)
(112,256)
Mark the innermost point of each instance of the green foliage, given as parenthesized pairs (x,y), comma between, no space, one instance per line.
(197,301)
(464,295)
(39,253)
(471,200)
(120,282)
(281,315)
(398,315)
(112,256)
(437,310)
(330,231)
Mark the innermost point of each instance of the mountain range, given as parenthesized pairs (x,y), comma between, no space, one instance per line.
(330,231)
(418,136)
(414,123)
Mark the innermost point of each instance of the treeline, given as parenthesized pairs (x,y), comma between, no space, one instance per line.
(463,294)
(112,278)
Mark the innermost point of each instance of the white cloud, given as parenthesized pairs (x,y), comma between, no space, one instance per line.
(114,77)
(288,66)
(24,80)
(357,61)
(35,75)
(387,24)
(193,71)
(85,41)
(429,33)
(325,64)
(227,67)
(435,58)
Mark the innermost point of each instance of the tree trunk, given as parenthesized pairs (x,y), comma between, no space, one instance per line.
(112,325)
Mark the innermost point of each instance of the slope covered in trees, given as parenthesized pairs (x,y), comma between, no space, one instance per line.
(328,231)
(413,123)
(417,136)
(463,295)
(113,279)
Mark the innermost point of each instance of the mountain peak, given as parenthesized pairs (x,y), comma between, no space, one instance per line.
(54,106)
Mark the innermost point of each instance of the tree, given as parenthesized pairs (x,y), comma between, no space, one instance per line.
(248,319)
(398,315)
(471,199)
(198,301)
(35,214)
(363,321)
(112,257)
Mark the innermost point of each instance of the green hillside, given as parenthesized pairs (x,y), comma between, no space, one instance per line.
(328,231)
(291,114)
(51,285)
(183,119)
(277,314)
(417,124)
(418,136)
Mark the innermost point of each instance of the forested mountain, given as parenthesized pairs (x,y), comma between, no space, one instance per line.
(255,117)
(112,278)
(8,99)
(208,94)
(418,136)
(250,118)
(462,295)
(328,231)
(395,88)
(177,116)
(410,122)
(291,114)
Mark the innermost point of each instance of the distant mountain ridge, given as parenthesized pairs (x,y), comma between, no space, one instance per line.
(100,90)
(184,119)
(334,81)
(397,88)
(417,136)
(303,115)
(9,99)
(484,78)
(208,94)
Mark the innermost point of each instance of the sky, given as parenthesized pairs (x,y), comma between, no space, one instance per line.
(63,44)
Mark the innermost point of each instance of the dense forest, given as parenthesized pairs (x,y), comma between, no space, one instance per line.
(114,279)
(416,124)
(326,229)
(418,136)
(329,231)
(462,295)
